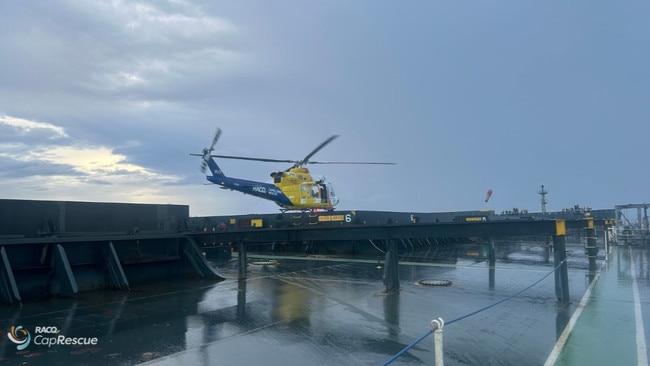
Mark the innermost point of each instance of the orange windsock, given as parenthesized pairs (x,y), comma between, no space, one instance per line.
(488,195)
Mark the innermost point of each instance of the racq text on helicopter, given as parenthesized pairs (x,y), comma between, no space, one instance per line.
(292,189)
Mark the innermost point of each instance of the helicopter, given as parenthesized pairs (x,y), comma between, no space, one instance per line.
(292,189)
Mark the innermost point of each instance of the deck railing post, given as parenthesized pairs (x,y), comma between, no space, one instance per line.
(436,326)
(591,249)
(391,267)
(242,260)
(561,271)
(547,251)
(492,261)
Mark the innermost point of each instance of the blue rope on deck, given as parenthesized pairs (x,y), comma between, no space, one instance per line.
(400,353)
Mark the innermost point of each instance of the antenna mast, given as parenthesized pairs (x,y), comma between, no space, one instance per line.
(543,193)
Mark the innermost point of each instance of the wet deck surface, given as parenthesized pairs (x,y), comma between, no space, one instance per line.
(308,311)
(613,328)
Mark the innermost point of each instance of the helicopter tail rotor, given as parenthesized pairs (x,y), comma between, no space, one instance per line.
(207,151)
(204,164)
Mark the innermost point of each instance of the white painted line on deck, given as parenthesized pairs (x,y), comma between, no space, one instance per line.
(561,342)
(641,355)
(642,358)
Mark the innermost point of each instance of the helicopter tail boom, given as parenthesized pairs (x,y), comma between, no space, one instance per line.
(214,168)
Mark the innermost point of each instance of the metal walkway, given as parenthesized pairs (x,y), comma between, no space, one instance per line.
(611,326)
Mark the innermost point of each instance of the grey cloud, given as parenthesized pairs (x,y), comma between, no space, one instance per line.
(118,49)
(12,168)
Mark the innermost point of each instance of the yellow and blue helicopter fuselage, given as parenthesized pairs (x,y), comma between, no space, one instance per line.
(293,189)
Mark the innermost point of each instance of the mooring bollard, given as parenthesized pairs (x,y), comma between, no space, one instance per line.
(436,326)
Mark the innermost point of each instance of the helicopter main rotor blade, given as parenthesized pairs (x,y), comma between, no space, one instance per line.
(322,145)
(296,163)
(349,162)
(254,159)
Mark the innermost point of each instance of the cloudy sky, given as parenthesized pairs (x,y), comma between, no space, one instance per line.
(105,100)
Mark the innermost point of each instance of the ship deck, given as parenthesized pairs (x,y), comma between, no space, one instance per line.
(333,311)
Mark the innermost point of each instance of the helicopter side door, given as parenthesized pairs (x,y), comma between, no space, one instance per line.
(330,195)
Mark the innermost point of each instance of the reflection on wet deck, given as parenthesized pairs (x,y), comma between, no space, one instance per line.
(328,311)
